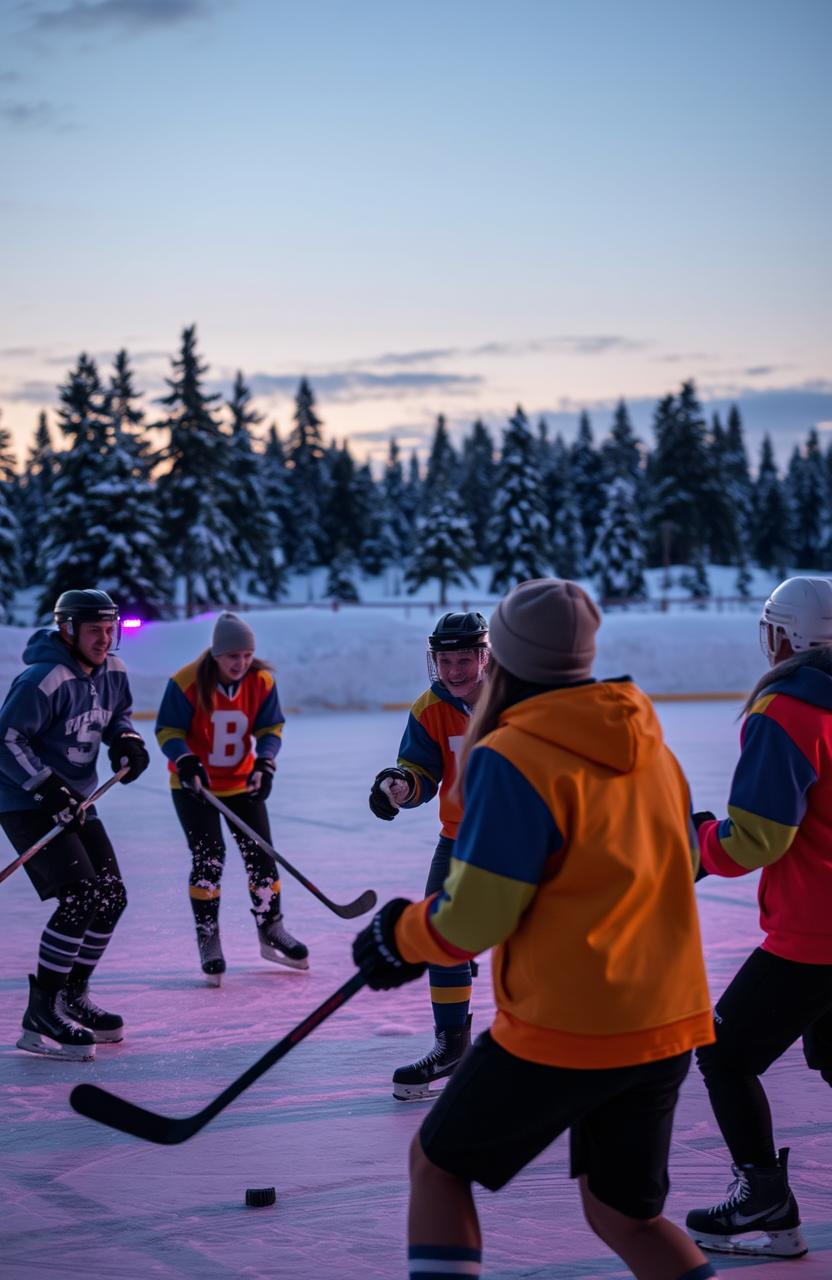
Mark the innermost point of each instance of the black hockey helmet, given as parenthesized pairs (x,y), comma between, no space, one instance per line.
(86,604)
(459,631)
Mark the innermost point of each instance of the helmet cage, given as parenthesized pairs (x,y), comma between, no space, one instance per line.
(480,651)
(804,621)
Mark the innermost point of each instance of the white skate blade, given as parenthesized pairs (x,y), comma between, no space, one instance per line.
(34,1042)
(277,957)
(418,1092)
(213,979)
(761,1244)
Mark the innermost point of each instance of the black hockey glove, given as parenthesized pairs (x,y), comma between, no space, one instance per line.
(61,800)
(259,781)
(698,819)
(192,773)
(128,750)
(380,803)
(376,955)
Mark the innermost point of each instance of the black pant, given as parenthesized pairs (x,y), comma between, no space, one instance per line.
(80,869)
(768,1005)
(203,832)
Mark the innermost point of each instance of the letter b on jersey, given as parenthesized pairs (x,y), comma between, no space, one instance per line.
(229,740)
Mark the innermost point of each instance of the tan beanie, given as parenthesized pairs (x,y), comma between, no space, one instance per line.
(231,635)
(543,631)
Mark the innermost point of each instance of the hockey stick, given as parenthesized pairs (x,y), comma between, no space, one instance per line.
(364,902)
(56,831)
(98,1104)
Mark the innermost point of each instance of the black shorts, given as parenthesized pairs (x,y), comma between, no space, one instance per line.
(84,854)
(497,1112)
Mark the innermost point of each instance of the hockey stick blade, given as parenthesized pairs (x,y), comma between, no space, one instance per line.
(107,1108)
(347,911)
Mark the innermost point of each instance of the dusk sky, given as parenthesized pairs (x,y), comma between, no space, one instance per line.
(425,208)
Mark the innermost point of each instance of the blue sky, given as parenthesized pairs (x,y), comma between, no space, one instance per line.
(435,207)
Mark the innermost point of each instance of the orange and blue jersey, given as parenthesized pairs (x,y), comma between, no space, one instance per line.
(429,748)
(780,815)
(574,861)
(244,719)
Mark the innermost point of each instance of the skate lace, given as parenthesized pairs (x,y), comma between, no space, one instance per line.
(738,1191)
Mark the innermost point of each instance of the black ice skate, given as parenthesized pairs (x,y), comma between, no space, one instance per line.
(413,1082)
(278,945)
(758,1216)
(75,1004)
(47,1031)
(210,953)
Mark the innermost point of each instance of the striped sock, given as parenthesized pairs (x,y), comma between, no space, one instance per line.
(702,1272)
(442,1262)
(450,994)
(92,949)
(57,955)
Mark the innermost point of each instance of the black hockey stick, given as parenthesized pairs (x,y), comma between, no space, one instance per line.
(98,1104)
(364,902)
(56,831)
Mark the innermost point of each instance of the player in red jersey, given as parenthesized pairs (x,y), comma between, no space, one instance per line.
(220,726)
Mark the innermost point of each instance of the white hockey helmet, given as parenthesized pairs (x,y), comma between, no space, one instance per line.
(800,611)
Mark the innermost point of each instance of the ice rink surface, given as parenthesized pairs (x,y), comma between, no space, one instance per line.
(322,1126)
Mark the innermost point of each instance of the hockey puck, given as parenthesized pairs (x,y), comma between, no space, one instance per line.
(260,1197)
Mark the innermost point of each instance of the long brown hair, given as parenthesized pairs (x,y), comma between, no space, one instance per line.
(502,690)
(820,656)
(207,677)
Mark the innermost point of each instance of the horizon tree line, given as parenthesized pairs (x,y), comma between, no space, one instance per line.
(227,511)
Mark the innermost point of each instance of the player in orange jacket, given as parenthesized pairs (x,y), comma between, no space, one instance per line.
(211,713)
(575,860)
(457,661)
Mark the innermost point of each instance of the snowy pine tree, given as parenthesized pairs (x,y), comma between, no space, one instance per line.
(586,472)
(340,579)
(443,547)
(71,548)
(772,528)
(35,498)
(257,530)
(306,541)
(443,465)
(518,535)
(476,489)
(808,499)
(10,567)
(195,525)
(679,475)
(620,452)
(617,558)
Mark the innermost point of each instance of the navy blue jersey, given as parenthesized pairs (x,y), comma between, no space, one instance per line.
(55,718)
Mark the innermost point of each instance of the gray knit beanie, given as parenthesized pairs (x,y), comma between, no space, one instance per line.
(543,631)
(231,635)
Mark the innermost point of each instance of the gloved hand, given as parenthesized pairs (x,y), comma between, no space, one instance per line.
(385,800)
(61,800)
(376,955)
(192,773)
(698,819)
(259,781)
(128,749)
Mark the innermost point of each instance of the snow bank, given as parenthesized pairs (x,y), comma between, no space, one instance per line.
(366,657)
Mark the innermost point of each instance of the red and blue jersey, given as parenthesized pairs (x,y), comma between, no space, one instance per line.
(429,748)
(780,815)
(243,719)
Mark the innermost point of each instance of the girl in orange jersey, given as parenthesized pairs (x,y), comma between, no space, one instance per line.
(457,660)
(574,860)
(211,713)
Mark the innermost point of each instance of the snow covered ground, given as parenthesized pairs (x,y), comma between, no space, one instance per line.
(321,1127)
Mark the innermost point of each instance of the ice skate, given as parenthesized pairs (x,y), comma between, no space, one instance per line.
(48,1032)
(278,945)
(75,1004)
(210,953)
(758,1216)
(414,1081)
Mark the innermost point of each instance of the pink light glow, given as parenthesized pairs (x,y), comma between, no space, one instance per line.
(131,624)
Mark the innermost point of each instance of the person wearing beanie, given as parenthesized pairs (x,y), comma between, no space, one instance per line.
(220,726)
(575,860)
